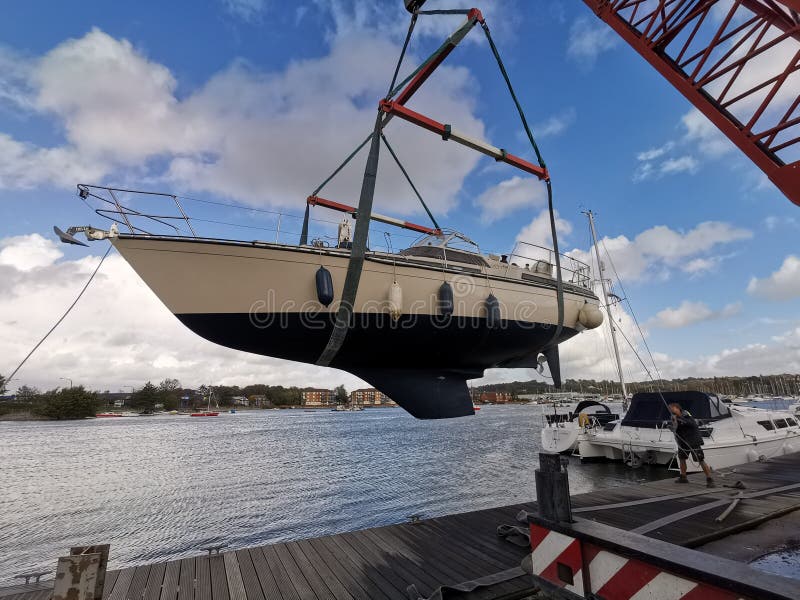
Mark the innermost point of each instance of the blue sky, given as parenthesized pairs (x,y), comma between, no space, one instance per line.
(247,101)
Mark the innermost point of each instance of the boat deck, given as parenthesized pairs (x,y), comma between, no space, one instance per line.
(380,563)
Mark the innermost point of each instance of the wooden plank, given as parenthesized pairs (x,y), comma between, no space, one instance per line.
(309,572)
(219,582)
(392,563)
(122,585)
(346,571)
(434,572)
(234,576)
(370,575)
(264,573)
(336,587)
(155,581)
(202,574)
(111,579)
(138,583)
(252,586)
(169,588)
(304,590)
(186,579)
(282,579)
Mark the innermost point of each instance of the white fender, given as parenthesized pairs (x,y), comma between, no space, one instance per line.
(395,300)
(590,316)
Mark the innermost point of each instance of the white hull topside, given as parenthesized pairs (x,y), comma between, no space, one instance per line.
(192,276)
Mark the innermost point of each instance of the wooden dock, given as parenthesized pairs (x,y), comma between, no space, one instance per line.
(381,563)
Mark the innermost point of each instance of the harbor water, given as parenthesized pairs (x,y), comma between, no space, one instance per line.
(163,487)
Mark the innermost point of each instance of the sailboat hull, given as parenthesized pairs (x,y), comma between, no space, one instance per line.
(261,298)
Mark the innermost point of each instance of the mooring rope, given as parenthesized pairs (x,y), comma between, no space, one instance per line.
(71,306)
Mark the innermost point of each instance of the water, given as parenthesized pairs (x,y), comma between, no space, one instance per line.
(162,487)
(784,562)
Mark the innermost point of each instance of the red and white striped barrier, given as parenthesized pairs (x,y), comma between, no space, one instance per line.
(588,571)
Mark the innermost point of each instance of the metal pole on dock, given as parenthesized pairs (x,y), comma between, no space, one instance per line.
(552,489)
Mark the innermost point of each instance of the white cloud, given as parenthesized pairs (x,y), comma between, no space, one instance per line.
(772,222)
(780,356)
(669,166)
(701,132)
(660,249)
(510,195)
(654,153)
(783,284)
(679,165)
(689,313)
(265,138)
(555,124)
(588,39)
(248,10)
(14,69)
(99,344)
(539,233)
(26,166)
(28,252)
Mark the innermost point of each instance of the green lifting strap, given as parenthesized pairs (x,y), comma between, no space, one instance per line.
(356,264)
(354,267)
(553,342)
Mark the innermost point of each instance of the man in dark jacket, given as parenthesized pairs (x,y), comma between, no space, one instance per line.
(687,434)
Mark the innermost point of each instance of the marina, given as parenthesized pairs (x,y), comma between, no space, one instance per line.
(231,269)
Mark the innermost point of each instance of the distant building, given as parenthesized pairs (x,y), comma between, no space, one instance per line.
(318,397)
(370,397)
(495,397)
(116,399)
(239,401)
(259,401)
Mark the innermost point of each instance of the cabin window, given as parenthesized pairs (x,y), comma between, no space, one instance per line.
(791,422)
(780,423)
(767,425)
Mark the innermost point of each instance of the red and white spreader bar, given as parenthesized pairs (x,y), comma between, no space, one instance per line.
(589,571)
(352,210)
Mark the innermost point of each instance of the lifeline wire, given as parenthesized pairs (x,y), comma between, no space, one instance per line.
(71,306)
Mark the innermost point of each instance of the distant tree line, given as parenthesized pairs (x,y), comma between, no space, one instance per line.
(778,385)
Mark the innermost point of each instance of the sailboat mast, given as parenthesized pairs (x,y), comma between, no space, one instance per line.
(590,214)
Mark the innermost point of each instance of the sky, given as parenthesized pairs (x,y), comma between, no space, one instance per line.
(255,102)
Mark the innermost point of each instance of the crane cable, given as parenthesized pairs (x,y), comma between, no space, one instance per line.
(553,342)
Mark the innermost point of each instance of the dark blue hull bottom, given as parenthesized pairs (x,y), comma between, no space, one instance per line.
(422,362)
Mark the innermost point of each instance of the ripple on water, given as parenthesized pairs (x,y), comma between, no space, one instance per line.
(162,487)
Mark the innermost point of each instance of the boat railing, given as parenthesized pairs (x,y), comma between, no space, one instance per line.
(541,261)
(150,213)
(159,213)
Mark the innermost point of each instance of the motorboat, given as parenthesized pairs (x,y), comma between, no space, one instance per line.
(732,434)
(560,431)
(204,413)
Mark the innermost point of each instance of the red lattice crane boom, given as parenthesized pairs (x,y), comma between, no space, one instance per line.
(736,61)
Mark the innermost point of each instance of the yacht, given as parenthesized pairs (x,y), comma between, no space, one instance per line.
(425,319)
(560,431)
(732,434)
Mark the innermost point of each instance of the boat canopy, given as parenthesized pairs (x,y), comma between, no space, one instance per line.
(447,246)
(649,409)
